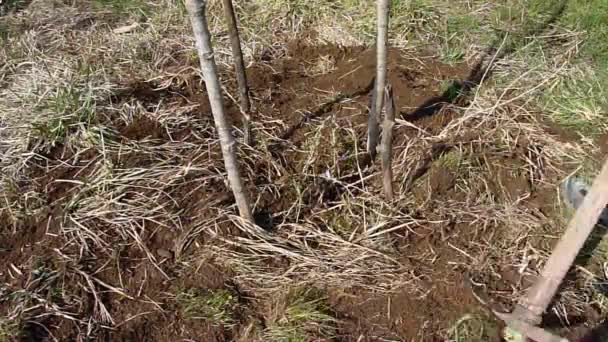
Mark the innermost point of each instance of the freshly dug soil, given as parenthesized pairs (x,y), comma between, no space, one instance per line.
(295,89)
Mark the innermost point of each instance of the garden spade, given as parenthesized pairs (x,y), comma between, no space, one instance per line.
(591,209)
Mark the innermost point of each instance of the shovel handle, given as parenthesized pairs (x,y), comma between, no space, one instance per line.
(537,299)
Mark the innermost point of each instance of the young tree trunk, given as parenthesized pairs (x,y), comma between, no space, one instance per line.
(387,143)
(373,129)
(239,65)
(196,10)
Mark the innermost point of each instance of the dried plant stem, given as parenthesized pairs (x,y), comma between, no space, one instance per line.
(387,143)
(196,9)
(239,65)
(373,129)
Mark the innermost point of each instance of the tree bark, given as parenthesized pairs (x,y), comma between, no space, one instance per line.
(239,66)
(387,143)
(196,10)
(373,129)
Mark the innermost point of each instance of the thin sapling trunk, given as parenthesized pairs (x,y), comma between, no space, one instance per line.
(239,65)
(373,129)
(196,10)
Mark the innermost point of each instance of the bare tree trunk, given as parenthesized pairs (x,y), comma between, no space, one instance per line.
(196,9)
(239,65)
(373,129)
(387,143)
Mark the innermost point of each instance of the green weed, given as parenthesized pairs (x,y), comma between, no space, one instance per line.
(8,330)
(451,160)
(305,312)
(578,101)
(450,90)
(67,107)
(340,222)
(4,32)
(215,306)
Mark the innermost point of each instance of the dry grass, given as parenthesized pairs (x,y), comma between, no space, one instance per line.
(60,128)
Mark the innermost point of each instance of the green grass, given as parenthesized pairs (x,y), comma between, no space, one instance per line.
(9,331)
(452,160)
(4,32)
(578,102)
(69,106)
(451,90)
(591,17)
(217,306)
(305,314)
(587,94)
(456,33)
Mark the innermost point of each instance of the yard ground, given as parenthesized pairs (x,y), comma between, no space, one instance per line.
(116,222)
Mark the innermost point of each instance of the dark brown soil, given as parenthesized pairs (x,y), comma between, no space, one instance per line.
(284,89)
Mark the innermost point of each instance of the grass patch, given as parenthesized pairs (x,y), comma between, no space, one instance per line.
(8,330)
(340,221)
(69,107)
(451,160)
(457,33)
(591,17)
(302,315)
(406,17)
(217,306)
(4,32)
(451,90)
(578,101)
(354,17)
